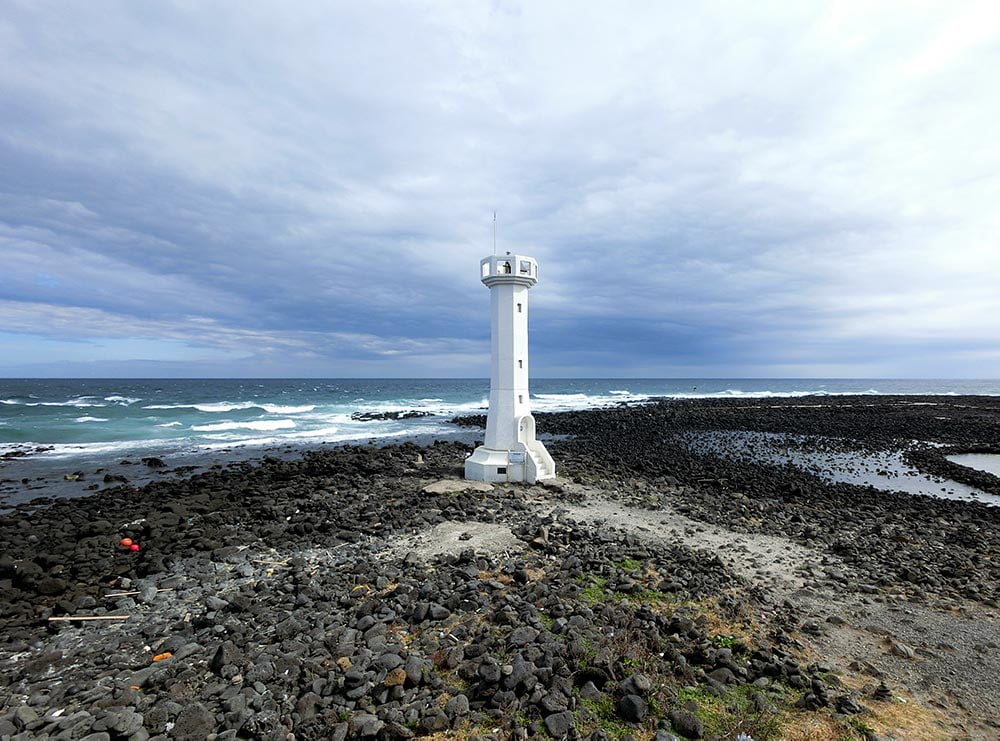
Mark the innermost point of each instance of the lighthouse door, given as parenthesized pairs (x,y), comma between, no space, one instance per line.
(526,429)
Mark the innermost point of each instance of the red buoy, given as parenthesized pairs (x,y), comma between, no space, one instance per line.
(134,547)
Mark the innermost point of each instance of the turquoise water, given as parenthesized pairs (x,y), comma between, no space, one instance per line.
(91,419)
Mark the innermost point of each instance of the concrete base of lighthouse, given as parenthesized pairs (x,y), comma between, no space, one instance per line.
(502,466)
(528,462)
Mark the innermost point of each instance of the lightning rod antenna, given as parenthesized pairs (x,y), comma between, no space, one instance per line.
(494,234)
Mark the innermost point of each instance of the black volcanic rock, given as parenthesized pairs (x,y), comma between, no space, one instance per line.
(271,599)
(393,415)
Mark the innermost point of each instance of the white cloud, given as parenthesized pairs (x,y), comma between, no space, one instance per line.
(771,172)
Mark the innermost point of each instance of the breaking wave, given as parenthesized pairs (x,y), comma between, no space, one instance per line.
(78,402)
(228,406)
(260,425)
(123,400)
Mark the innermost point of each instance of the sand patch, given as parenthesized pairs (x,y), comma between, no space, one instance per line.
(454,486)
(455,537)
(771,561)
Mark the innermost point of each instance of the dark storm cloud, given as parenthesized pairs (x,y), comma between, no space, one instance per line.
(242,189)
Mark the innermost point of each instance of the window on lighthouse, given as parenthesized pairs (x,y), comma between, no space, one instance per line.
(520,363)
(519,308)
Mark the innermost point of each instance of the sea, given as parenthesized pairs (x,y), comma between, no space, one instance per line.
(93,419)
(71,437)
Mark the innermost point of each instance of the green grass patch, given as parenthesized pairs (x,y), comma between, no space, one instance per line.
(629,564)
(725,641)
(861,727)
(735,712)
(632,664)
(596,591)
(602,707)
(599,714)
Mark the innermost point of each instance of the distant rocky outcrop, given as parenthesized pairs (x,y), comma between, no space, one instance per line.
(397,414)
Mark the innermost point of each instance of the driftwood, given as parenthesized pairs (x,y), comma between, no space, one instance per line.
(129,594)
(69,618)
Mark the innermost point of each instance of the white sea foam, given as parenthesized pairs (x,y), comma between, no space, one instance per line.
(227,406)
(91,419)
(435,407)
(328,435)
(223,406)
(171,424)
(123,400)
(319,433)
(261,425)
(454,408)
(766,394)
(74,450)
(326,418)
(216,406)
(278,409)
(567,402)
(80,402)
(471,406)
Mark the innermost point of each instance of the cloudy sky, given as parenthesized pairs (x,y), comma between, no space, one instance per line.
(305,189)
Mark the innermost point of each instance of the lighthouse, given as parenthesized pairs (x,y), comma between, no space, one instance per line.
(510,452)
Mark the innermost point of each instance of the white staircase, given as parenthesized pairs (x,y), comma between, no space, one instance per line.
(545,467)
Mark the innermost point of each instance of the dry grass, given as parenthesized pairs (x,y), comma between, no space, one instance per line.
(502,578)
(749,627)
(910,720)
(813,727)
(401,632)
(902,717)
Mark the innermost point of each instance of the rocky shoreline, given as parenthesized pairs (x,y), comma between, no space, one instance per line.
(655,590)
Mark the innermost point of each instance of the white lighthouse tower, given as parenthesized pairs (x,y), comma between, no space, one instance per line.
(511,452)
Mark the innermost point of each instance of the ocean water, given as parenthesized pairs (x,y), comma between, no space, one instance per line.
(93,420)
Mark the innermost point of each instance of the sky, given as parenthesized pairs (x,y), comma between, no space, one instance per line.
(737,189)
